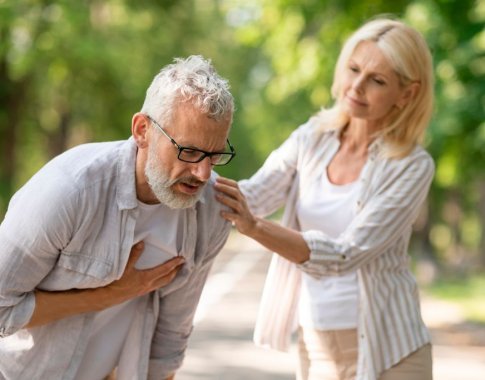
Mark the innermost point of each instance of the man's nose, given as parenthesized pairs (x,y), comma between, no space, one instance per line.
(202,170)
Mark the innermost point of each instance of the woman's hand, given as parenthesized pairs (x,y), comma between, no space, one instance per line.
(284,241)
(229,194)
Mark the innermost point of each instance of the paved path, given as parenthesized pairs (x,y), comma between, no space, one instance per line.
(221,346)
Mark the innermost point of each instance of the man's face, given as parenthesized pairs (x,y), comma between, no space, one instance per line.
(175,183)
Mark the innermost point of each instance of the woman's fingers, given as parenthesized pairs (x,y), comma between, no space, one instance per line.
(229,194)
(226,181)
(228,190)
(233,204)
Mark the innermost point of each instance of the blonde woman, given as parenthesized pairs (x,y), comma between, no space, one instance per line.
(352,180)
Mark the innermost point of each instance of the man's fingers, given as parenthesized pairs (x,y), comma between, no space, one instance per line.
(164,273)
(135,253)
(167,267)
(167,279)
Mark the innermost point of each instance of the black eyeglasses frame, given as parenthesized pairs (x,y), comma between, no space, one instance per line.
(181,149)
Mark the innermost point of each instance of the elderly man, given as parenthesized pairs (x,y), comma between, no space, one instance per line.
(104,252)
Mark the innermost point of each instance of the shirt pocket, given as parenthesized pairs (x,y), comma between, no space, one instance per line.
(85,264)
(76,270)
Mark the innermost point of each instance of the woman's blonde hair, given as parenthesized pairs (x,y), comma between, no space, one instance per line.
(409,55)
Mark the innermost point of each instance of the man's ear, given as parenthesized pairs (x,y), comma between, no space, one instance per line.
(409,93)
(139,129)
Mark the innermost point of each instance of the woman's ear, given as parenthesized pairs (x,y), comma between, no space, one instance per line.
(409,93)
(139,129)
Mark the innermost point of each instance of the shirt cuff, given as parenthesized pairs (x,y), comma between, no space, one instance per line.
(325,255)
(19,316)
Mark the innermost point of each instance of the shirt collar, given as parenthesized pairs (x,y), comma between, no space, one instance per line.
(125,176)
(375,148)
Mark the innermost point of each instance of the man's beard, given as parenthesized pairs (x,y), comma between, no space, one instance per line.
(161,184)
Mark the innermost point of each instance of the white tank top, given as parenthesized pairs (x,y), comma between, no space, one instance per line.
(328,303)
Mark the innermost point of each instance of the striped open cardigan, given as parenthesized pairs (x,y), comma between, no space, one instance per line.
(375,245)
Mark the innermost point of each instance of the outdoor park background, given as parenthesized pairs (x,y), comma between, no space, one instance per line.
(75,71)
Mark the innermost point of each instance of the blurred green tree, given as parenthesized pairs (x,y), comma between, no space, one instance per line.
(75,71)
(300,41)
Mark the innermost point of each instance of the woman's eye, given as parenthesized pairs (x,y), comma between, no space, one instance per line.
(354,69)
(379,81)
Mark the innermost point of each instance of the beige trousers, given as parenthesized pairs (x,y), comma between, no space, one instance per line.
(416,366)
(327,355)
(332,355)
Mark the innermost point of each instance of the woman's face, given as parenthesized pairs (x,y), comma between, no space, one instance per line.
(370,86)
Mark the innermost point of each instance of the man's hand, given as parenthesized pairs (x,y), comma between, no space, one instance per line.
(52,306)
(137,282)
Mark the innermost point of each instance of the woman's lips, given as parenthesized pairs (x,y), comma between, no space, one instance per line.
(356,102)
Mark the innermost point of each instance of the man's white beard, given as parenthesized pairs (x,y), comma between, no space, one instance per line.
(161,184)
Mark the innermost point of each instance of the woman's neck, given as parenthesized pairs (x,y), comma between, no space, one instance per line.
(357,136)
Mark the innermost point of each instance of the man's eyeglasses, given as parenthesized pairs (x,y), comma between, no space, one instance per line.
(194,155)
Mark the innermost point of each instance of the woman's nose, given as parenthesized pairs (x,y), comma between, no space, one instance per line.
(358,83)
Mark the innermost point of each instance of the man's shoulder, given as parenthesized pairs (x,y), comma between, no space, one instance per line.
(84,155)
(208,196)
(85,167)
(209,204)
(89,163)
(212,228)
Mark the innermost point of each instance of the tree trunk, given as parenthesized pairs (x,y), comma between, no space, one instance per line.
(58,139)
(12,97)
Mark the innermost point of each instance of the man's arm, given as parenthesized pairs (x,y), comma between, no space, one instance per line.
(52,306)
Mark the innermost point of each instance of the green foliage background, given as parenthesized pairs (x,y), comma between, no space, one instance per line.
(73,71)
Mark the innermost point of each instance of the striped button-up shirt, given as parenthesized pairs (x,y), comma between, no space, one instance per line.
(374,245)
(72,227)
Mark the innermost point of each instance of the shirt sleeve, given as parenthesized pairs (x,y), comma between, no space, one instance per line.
(177,311)
(386,215)
(37,225)
(268,189)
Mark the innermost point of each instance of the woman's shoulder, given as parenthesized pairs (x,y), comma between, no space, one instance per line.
(419,156)
(324,124)
(418,159)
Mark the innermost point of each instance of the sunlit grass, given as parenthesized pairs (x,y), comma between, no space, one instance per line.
(468,293)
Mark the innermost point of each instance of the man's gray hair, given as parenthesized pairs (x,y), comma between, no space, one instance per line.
(192,79)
